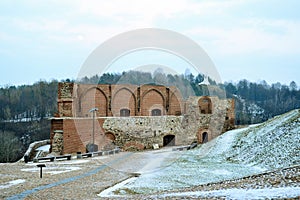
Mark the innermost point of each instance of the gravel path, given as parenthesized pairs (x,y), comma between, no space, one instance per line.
(59,180)
(76,179)
(86,178)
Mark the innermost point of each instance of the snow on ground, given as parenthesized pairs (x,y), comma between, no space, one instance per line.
(156,160)
(272,144)
(198,166)
(52,169)
(56,167)
(109,192)
(12,183)
(44,148)
(188,171)
(235,154)
(266,193)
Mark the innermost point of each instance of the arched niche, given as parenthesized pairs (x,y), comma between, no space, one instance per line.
(205,105)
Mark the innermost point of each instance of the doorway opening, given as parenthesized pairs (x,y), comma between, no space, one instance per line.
(204,137)
(169,140)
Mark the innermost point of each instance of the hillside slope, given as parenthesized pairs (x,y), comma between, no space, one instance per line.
(273,144)
(233,155)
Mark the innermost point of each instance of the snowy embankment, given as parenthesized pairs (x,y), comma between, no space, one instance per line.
(233,155)
(273,144)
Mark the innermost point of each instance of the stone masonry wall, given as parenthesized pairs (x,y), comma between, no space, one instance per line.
(145,130)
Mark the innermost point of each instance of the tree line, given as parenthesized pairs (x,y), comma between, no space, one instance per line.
(267,100)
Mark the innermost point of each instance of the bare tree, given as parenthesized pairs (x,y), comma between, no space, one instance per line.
(10,147)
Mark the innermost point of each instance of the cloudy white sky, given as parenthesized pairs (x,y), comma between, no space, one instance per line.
(246,39)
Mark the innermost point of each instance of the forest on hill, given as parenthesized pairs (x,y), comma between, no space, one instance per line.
(25,110)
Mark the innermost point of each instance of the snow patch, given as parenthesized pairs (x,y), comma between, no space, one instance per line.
(44,148)
(109,192)
(52,170)
(12,183)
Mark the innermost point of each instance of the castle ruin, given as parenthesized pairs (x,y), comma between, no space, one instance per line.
(134,117)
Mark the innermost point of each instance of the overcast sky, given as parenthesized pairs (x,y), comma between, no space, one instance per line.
(246,39)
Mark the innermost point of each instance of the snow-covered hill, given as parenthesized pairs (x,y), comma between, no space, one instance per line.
(235,154)
(273,144)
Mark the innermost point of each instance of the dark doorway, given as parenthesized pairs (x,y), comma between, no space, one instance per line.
(156,112)
(204,137)
(169,140)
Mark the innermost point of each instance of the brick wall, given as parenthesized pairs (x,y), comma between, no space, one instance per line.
(79,132)
(124,97)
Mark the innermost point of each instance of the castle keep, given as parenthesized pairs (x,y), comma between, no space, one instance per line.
(134,117)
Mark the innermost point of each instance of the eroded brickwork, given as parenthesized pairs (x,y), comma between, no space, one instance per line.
(135,117)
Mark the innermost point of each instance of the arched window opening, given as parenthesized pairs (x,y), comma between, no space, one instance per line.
(204,137)
(156,112)
(205,105)
(124,112)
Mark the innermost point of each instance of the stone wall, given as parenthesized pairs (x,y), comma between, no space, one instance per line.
(145,130)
